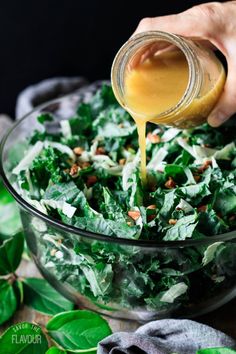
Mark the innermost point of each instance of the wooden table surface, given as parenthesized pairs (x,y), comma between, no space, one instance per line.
(223,319)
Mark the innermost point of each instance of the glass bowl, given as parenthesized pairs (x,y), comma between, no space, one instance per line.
(122,278)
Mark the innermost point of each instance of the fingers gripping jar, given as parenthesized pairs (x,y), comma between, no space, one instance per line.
(167,79)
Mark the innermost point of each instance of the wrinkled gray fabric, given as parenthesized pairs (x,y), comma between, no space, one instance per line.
(5,123)
(166,337)
(46,90)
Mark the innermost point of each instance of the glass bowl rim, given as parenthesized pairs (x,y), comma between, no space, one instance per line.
(89,234)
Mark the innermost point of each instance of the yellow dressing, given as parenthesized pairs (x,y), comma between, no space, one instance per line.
(156,85)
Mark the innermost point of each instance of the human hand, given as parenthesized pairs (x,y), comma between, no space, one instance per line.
(215,24)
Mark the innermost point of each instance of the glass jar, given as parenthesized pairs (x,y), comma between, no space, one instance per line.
(206,77)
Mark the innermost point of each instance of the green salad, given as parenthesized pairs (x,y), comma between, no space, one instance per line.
(85,172)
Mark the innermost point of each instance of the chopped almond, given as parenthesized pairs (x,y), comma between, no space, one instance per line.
(172,221)
(53,252)
(202,208)
(91,180)
(152,206)
(78,150)
(122,162)
(134,214)
(205,166)
(151,217)
(100,151)
(170,183)
(129,223)
(197,178)
(154,138)
(74,170)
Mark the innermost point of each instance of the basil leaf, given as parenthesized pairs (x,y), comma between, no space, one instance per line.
(55,350)
(8,302)
(11,249)
(78,330)
(44,298)
(23,338)
(216,351)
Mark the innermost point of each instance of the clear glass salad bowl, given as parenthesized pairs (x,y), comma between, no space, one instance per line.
(205,270)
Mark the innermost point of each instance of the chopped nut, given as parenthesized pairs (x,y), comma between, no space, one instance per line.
(152,206)
(197,178)
(122,161)
(100,151)
(74,170)
(205,166)
(202,208)
(129,223)
(170,183)
(121,125)
(151,217)
(154,138)
(172,221)
(53,252)
(134,214)
(78,150)
(91,180)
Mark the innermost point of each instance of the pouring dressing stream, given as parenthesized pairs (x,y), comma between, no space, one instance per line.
(164,79)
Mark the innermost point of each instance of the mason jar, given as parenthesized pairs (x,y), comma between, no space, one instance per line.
(206,77)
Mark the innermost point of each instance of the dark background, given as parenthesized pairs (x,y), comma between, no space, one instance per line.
(46,38)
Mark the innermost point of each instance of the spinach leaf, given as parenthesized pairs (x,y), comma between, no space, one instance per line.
(78,330)
(55,350)
(39,295)
(8,302)
(216,351)
(23,337)
(11,249)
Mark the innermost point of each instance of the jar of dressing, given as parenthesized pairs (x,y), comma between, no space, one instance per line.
(167,79)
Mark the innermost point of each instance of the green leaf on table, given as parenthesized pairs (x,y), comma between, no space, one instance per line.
(11,249)
(42,297)
(55,350)
(216,351)
(8,302)
(10,222)
(23,338)
(78,331)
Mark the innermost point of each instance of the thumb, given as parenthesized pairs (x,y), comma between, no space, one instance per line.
(226,105)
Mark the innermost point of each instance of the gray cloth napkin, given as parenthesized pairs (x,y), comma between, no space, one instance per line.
(158,337)
(46,90)
(166,337)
